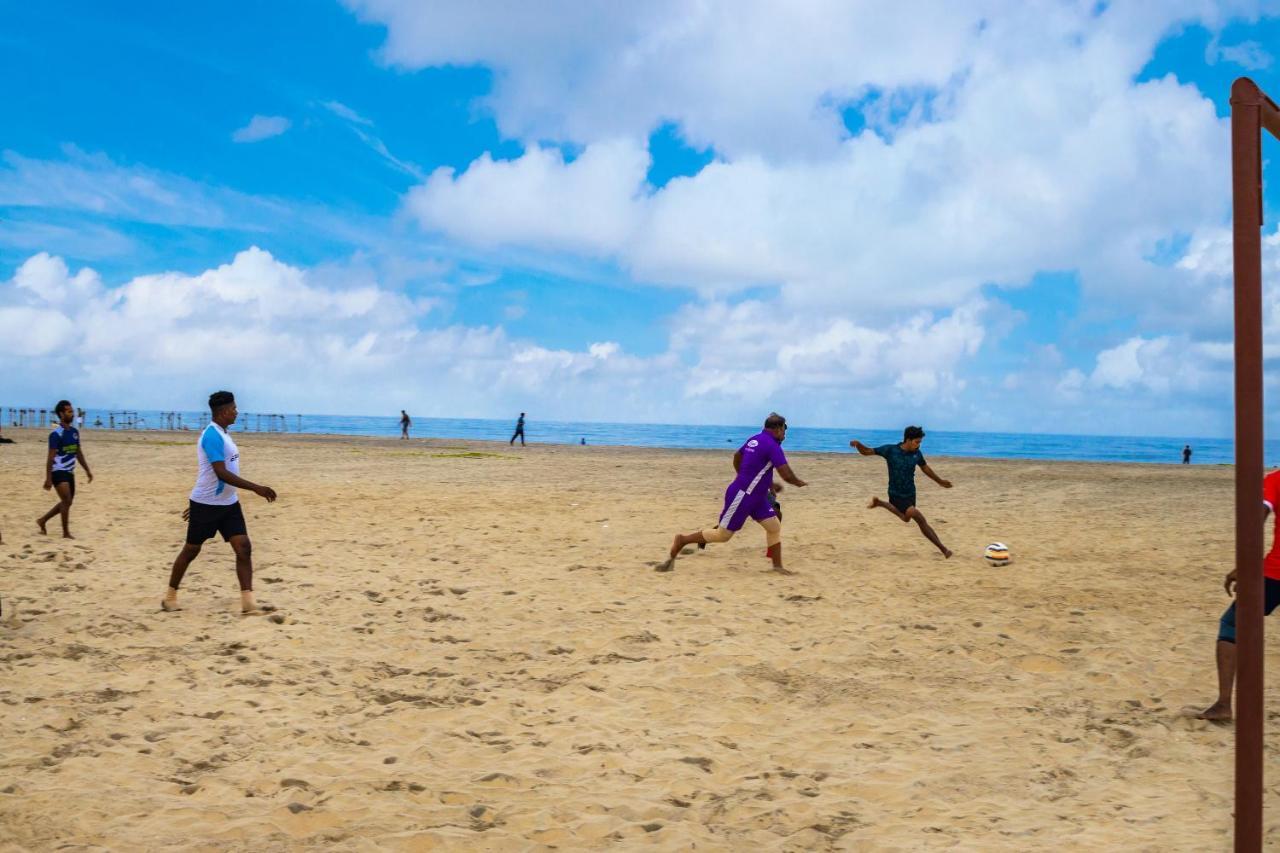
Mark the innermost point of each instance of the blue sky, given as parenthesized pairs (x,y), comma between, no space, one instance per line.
(629,214)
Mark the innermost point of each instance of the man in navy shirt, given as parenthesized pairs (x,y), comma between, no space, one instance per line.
(60,467)
(903,459)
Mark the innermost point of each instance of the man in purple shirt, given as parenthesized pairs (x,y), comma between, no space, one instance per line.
(748,495)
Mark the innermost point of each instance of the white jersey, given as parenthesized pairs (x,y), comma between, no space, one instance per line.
(215,445)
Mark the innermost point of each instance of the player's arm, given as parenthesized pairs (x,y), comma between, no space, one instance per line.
(862,448)
(84,463)
(785,472)
(737,461)
(220,469)
(929,472)
(48,469)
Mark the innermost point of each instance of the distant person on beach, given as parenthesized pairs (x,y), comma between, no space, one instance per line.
(1226,647)
(902,460)
(749,495)
(519,433)
(405,423)
(60,467)
(1186,455)
(215,507)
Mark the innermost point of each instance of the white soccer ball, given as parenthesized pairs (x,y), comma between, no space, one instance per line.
(997,554)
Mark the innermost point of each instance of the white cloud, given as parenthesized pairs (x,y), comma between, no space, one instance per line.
(343,111)
(287,341)
(1247,54)
(586,206)
(1037,159)
(260,128)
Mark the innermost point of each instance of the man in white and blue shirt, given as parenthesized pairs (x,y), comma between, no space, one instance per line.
(214,507)
(60,467)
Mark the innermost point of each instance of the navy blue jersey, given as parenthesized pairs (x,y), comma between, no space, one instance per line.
(66,442)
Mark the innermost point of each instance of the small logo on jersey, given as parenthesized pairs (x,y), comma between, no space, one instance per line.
(752,443)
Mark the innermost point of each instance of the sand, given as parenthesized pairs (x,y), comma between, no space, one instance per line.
(473,652)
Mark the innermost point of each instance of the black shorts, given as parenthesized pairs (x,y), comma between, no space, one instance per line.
(65,477)
(206,520)
(902,503)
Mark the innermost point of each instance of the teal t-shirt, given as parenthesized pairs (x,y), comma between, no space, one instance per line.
(902,469)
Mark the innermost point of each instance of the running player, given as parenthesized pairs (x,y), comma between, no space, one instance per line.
(60,467)
(215,507)
(748,496)
(1226,649)
(903,459)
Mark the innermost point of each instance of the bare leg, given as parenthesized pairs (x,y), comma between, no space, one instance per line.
(63,507)
(678,544)
(928,531)
(775,554)
(876,502)
(188,553)
(244,572)
(1221,710)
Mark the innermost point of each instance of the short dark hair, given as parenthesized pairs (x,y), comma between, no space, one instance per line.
(912,432)
(62,404)
(218,399)
(775,421)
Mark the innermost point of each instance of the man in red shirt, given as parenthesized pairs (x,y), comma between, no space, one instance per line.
(1221,710)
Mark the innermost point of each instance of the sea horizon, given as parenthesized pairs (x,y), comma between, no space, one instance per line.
(967,443)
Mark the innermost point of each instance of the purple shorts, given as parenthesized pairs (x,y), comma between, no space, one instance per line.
(739,506)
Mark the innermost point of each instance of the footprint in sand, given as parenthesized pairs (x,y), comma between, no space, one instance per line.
(1038,663)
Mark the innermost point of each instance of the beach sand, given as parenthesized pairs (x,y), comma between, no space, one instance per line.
(474,652)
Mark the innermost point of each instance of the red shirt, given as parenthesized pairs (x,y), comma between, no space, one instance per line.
(1271,497)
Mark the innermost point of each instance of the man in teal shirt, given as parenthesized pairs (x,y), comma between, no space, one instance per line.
(902,460)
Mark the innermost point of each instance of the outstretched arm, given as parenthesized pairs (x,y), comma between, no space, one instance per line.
(785,472)
(862,448)
(946,484)
(220,469)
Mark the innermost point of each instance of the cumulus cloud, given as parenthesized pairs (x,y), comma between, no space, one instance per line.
(288,341)
(1026,160)
(539,200)
(260,128)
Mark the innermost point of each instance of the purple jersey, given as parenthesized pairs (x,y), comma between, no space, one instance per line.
(760,455)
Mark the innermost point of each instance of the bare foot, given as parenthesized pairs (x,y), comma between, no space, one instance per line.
(67,536)
(170,606)
(1217,712)
(778,570)
(666,565)
(40,524)
(946,553)
(875,502)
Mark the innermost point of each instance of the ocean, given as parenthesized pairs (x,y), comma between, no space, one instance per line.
(1092,448)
